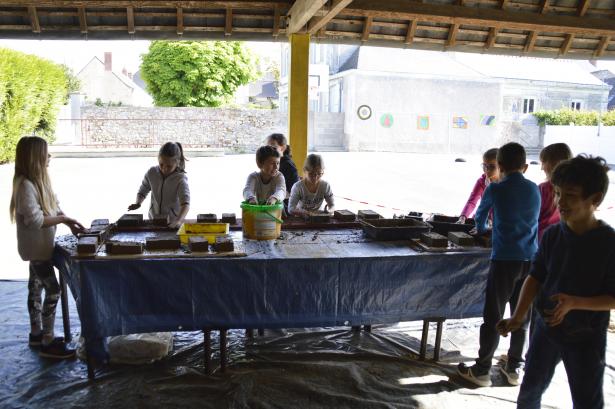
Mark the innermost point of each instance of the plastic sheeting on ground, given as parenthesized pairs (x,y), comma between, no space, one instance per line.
(321,368)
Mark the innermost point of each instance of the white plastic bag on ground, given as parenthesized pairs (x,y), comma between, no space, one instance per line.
(136,349)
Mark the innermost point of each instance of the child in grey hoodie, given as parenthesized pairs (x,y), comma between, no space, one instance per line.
(169,186)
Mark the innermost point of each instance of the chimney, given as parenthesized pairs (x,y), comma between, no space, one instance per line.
(108,62)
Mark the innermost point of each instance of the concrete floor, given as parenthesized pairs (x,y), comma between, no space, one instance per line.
(92,188)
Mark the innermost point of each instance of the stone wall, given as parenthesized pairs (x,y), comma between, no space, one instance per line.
(234,130)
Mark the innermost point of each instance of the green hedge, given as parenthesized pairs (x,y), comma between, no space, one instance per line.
(31,92)
(569,116)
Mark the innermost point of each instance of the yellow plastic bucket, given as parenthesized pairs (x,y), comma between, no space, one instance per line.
(208,231)
(261,222)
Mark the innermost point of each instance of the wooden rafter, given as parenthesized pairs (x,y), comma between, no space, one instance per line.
(180,21)
(452,35)
(130,18)
(491,37)
(566,45)
(583,6)
(301,12)
(531,41)
(410,33)
(276,21)
(503,4)
(367,26)
(544,6)
(502,19)
(83,22)
(36,26)
(602,46)
(460,2)
(316,23)
(189,4)
(228,22)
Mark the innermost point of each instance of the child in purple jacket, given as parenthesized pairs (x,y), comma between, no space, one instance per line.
(491,173)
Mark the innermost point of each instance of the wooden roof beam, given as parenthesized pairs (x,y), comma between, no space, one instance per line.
(544,6)
(188,4)
(316,24)
(180,21)
(36,26)
(452,35)
(531,41)
(130,18)
(491,37)
(367,27)
(276,21)
(410,33)
(228,24)
(503,4)
(566,45)
(583,6)
(301,12)
(602,46)
(83,22)
(501,19)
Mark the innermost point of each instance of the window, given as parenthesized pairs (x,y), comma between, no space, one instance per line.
(575,105)
(528,105)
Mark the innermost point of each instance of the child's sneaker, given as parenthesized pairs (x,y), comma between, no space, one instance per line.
(513,375)
(35,340)
(473,374)
(56,349)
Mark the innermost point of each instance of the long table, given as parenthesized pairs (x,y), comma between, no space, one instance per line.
(306,279)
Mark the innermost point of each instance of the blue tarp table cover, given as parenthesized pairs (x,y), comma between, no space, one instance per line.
(311,279)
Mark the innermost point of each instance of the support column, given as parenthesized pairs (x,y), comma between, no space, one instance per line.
(298,97)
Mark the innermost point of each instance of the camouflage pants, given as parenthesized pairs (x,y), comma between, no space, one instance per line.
(42,276)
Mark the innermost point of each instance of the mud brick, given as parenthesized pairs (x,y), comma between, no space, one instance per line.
(229,218)
(206,218)
(130,220)
(100,222)
(434,240)
(87,245)
(123,247)
(318,217)
(223,244)
(157,243)
(461,238)
(198,243)
(344,215)
(160,221)
(368,214)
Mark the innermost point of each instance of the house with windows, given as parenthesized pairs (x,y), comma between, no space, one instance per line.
(369,98)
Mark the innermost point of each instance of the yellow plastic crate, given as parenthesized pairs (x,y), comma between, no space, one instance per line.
(208,231)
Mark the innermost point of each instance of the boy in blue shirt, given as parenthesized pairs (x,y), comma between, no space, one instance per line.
(573,280)
(516,204)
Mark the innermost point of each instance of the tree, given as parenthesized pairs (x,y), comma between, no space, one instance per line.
(196,73)
(73,84)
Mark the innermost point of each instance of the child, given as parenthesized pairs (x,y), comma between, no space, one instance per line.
(550,156)
(287,165)
(515,202)
(268,185)
(491,173)
(34,207)
(169,186)
(308,194)
(573,280)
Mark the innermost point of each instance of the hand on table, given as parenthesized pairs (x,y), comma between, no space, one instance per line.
(74,226)
(134,206)
(461,220)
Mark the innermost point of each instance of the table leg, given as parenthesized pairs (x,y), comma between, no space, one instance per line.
(90,362)
(250,333)
(207,350)
(222,350)
(261,332)
(356,328)
(65,313)
(423,351)
(436,352)
(367,328)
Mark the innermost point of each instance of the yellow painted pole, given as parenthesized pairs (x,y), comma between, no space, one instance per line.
(298,97)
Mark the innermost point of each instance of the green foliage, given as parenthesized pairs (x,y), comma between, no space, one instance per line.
(31,92)
(567,117)
(73,84)
(196,73)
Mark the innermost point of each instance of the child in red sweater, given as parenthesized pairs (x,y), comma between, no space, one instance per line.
(550,157)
